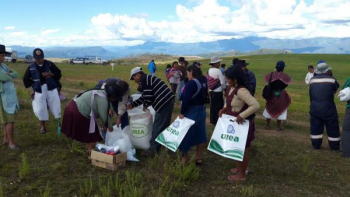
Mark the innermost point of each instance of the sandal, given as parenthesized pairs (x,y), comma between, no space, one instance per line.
(5,142)
(280,129)
(42,131)
(199,162)
(235,178)
(266,128)
(88,152)
(14,147)
(235,171)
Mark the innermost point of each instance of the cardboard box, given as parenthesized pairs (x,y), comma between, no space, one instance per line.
(110,162)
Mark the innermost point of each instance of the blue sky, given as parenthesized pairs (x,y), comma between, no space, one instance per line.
(111,22)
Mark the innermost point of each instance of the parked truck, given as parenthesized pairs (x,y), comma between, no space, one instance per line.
(11,56)
(95,60)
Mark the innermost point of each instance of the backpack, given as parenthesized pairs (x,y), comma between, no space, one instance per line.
(212,83)
(267,91)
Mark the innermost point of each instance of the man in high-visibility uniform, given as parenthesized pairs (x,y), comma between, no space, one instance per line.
(323,111)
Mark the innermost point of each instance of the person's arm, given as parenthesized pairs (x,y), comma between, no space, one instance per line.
(336,86)
(55,71)
(244,95)
(222,79)
(252,83)
(6,77)
(102,110)
(190,90)
(123,103)
(307,80)
(27,78)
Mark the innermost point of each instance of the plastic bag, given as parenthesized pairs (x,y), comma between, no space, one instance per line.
(112,137)
(344,95)
(229,138)
(172,136)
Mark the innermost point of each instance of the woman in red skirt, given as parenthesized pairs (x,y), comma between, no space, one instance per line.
(242,105)
(85,110)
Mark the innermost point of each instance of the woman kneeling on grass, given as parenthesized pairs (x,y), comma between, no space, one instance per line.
(82,112)
(193,107)
(8,100)
(241,104)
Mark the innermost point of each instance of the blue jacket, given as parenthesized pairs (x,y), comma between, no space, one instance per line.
(33,77)
(152,67)
(322,90)
(251,81)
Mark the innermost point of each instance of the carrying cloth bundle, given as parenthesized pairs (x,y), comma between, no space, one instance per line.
(212,82)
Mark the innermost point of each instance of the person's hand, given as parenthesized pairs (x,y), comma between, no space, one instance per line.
(104,129)
(110,129)
(119,120)
(129,107)
(181,116)
(240,120)
(110,112)
(221,112)
(32,95)
(47,74)
(145,109)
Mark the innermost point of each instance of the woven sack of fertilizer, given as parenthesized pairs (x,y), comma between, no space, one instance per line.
(141,124)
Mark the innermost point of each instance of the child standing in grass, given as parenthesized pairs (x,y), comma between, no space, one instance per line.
(310,74)
(8,100)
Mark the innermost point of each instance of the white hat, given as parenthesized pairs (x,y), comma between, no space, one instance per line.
(322,68)
(214,60)
(135,71)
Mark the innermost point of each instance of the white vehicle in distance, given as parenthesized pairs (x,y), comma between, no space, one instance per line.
(95,60)
(78,60)
(11,56)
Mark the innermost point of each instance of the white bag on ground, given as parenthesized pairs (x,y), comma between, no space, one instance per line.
(121,139)
(344,95)
(172,136)
(229,138)
(113,136)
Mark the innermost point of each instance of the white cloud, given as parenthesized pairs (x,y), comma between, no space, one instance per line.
(208,20)
(49,31)
(9,28)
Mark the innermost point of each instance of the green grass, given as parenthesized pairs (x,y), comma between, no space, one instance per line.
(282,163)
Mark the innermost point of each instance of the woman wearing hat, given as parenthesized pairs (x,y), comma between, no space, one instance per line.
(9,101)
(89,109)
(279,101)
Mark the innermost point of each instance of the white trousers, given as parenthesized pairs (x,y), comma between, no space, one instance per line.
(43,101)
(283,116)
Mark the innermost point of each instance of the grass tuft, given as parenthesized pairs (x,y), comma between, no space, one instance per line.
(23,167)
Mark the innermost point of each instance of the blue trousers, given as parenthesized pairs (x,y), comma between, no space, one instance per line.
(317,124)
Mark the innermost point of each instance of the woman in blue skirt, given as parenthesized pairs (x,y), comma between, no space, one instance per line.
(193,107)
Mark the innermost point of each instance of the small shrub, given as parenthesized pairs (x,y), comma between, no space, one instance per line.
(86,188)
(23,167)
(46,193)
(249,191)
(81,84)
(1,190)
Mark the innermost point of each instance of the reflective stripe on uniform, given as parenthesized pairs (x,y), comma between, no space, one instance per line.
(316,136)
(334,138)
(324,80)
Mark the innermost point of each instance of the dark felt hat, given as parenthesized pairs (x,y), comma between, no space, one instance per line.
(234,61)
(242,63)
(3,49)
(181,59)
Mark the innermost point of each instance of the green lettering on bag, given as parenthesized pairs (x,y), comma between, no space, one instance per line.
(173,131)
(229,137)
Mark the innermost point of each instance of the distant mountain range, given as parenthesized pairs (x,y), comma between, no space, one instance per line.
(249,45)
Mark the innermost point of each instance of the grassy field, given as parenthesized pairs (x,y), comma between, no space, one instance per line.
(282,163)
